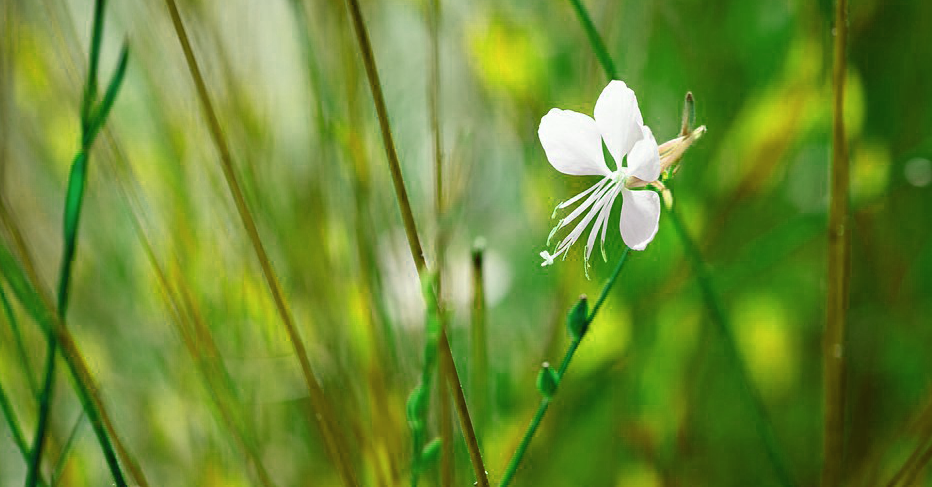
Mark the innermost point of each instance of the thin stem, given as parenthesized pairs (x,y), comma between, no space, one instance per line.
(20,345)
(66,450)
(448,366)
(764,427)
(480,359)
(564,364)
(839,248)
(13,423)
(447,463)
(321,408)
(595,40)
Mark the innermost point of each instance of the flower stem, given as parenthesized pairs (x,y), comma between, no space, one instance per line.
(594,39)
(764,427)
(567,358)
(839,247)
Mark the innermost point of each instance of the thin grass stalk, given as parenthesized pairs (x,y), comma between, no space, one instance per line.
(448,366)
(759,410)
(918,468)
(187,318)
(480,361)
(838,272)
(12,422)
(203,349)
(595,40)
(20,345)
(385,435)
(323,415)
(62,461)
(545,401)
(447,461)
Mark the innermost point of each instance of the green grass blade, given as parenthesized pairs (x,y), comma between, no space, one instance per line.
(66,450)
(99,115)
(20,345)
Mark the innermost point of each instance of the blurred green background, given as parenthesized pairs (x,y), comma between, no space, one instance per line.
(649,400)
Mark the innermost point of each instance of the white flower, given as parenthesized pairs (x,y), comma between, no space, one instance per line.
(573,144)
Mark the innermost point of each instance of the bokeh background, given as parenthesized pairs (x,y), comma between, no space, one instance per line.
(649,400)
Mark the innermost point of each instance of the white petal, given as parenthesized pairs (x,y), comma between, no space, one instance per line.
(572,143)
(618,118)
(640,217)
(644,158)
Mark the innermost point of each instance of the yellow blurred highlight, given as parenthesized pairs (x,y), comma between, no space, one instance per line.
(506,57)
(870,171)
(606,340)
(639,475)
(771,121)
(766,344)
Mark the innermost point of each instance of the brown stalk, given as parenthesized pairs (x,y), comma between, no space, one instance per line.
(838,273)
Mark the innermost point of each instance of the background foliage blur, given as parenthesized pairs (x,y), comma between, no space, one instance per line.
(647,402)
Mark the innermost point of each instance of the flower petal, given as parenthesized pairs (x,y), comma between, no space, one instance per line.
(572,143)
(644,158)
(618,118)
(640,217)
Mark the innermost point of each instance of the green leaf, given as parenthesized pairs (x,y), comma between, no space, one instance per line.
(577,321)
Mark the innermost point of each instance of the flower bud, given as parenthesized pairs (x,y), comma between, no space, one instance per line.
(547,381)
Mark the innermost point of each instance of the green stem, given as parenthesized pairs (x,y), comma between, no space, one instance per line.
(594,39)
(567,358)
(761,421)
(837,272)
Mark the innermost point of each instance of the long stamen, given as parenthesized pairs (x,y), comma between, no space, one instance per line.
(603,216)
(605,224)
(582,207)
(570,239)
(576,198)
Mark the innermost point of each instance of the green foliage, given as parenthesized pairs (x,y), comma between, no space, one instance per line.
(652,396)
